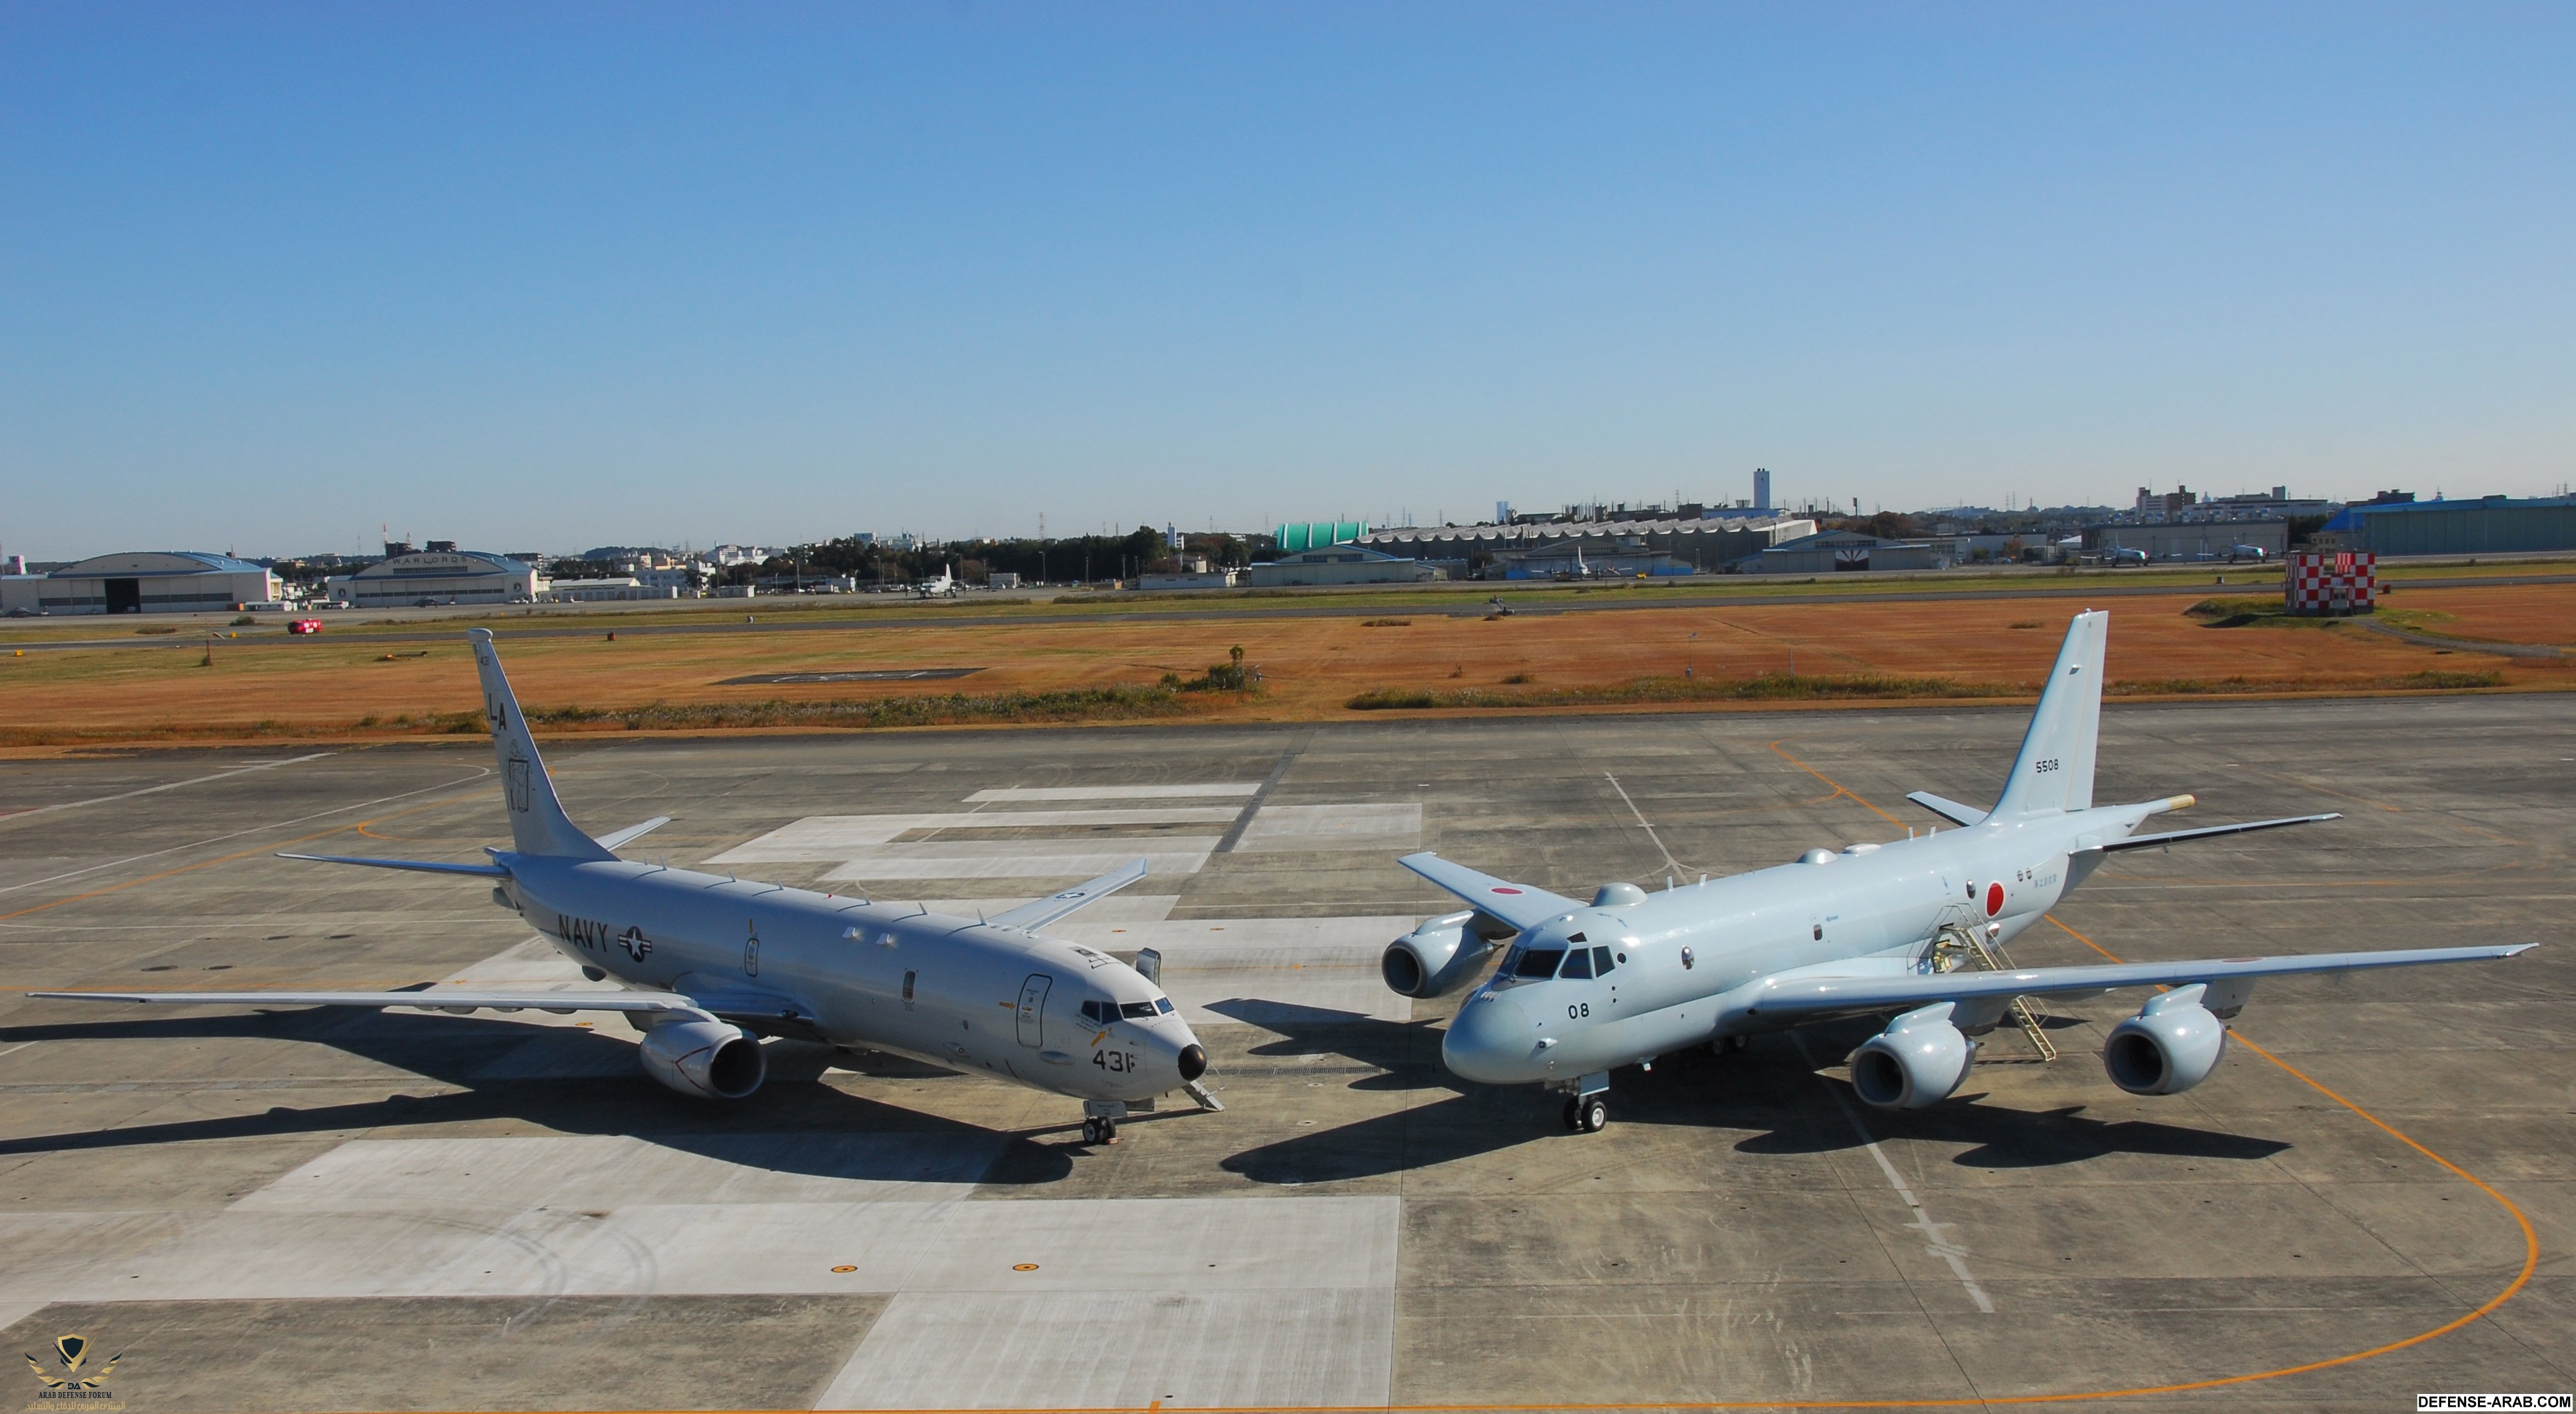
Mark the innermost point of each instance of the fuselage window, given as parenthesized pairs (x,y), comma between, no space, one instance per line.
(1539,962)
(1601,963)
(1578,963)
(1137,1011)
(907,987)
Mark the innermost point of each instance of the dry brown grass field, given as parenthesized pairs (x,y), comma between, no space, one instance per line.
(345,689)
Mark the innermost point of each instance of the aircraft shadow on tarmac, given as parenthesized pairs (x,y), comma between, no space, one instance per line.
(572,1081)
(1770,1090)
(1402,1055)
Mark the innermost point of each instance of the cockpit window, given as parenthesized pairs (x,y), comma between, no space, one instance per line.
(1539,962)
(1601,963)
(1137,1010)
(1091,1011)
(1578,963)
(1163,1005)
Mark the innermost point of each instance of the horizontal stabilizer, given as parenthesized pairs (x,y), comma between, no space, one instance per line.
(562,1003)
(1949,810)
(2177,836)
(1055,906)
(1811,998)
(1519,905)
(419,866)
(619,839)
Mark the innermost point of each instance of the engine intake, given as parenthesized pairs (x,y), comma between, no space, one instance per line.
(1917,1061)
(1437,958)
(708,1059)
(2171,1045)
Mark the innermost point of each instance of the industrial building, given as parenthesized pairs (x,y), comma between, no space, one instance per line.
(2490,525)
(142,582)
(1694,544)
(439,577)
(1298,535)
(1338,564)
(1844,551)
(1572,559)
(2194,540)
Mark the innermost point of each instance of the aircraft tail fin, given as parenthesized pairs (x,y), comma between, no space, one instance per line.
(2055,769)
(538,824)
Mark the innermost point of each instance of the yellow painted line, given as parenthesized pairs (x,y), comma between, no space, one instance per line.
(1828,780)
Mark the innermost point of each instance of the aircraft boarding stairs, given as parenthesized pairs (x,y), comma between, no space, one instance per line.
(1958,938)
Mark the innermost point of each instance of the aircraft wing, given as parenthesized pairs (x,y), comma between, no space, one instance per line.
(1055,906)
(1520,905)
(2206,832)
(460,1002)
(1806,997)
(418,866)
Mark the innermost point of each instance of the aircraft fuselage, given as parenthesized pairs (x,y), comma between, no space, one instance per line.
(937,988)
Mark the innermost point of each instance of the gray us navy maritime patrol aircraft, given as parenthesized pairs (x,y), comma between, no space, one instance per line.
(714,963)
(1876,928)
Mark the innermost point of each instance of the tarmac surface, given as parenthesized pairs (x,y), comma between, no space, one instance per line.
(314,1210)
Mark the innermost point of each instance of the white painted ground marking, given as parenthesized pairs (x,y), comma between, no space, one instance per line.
(251,830)
(837,837)
(1298,827)
(1020,859)
(1642,821)
(1220,791)
(17,815)
(1936,1244)
(1267,1302)
(13,1050)
(1329,1348)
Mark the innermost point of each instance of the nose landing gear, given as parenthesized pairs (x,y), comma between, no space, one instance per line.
(1587,1114)
(1099,1130)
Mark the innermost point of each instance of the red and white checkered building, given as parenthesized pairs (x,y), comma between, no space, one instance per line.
(2332,582)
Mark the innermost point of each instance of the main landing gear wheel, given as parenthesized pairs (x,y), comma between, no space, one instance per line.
(1588,1114)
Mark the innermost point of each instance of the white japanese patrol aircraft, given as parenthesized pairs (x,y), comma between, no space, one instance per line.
(713,963)
(1876,928)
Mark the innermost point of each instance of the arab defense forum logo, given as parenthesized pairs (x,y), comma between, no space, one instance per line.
(75,1386)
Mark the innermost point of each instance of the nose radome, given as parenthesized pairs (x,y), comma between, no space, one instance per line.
(1193,1061)
(1491,1041)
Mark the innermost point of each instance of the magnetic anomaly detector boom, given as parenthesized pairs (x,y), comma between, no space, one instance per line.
(710,964)
(1871,929)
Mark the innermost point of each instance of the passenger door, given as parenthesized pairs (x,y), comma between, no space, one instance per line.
(1032,1016)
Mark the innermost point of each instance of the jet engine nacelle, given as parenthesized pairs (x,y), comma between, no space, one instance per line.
(1436,958)
(708,1059)
(2168,1047)
(1917,1061)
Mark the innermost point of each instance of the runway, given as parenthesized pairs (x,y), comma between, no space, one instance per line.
(410,1210)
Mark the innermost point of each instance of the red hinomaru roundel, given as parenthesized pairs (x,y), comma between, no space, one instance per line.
(1994,899)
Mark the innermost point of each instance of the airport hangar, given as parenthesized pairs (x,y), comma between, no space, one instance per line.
(445,575)
(142,582)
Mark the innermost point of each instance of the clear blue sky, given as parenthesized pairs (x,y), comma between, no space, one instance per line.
(548,276)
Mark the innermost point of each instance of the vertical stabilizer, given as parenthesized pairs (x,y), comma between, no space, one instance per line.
(2055,769)
(538,824)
